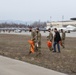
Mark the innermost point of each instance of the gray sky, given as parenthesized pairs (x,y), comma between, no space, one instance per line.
(34,10)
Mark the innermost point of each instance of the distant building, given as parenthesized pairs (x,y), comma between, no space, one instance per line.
(72,18)
(61,23)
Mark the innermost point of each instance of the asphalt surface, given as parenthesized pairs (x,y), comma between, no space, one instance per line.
(10,66)
(71,34)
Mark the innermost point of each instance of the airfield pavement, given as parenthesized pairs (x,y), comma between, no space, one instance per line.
(10,66)
(71,34)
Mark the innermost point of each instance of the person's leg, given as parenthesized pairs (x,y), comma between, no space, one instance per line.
(50,48)
(63,44)
(54,46)
(39,47)
(39,51)
(36,48)
(58,47)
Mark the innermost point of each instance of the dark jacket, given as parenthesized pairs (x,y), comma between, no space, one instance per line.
(57,37)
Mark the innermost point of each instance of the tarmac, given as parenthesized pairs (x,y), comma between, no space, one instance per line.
(71,34)
(10,66)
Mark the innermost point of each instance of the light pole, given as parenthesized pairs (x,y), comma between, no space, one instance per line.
(50,21)
(62,20)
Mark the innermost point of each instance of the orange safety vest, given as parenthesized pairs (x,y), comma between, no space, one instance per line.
(32,46)
(49,43)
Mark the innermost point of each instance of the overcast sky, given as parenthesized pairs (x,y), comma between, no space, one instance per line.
(34,10)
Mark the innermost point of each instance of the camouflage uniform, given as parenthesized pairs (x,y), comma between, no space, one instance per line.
(38,42)
(33,35)
(50,38)
(63,39)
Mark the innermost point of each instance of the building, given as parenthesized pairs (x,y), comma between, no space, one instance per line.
(61,23)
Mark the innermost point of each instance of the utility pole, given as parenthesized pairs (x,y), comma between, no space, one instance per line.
(62,20)
(51,21)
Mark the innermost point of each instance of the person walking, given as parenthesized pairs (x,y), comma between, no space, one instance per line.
(57,38)
(63,38)
(38,41)
(50,39)
(32,41)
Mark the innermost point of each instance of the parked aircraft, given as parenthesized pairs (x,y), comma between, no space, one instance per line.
(14,29)
(68,29)
(71,28)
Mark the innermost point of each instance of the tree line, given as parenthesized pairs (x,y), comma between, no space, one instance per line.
(14,25)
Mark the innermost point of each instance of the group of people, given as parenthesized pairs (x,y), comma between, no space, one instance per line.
(36,38)
(55,39)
